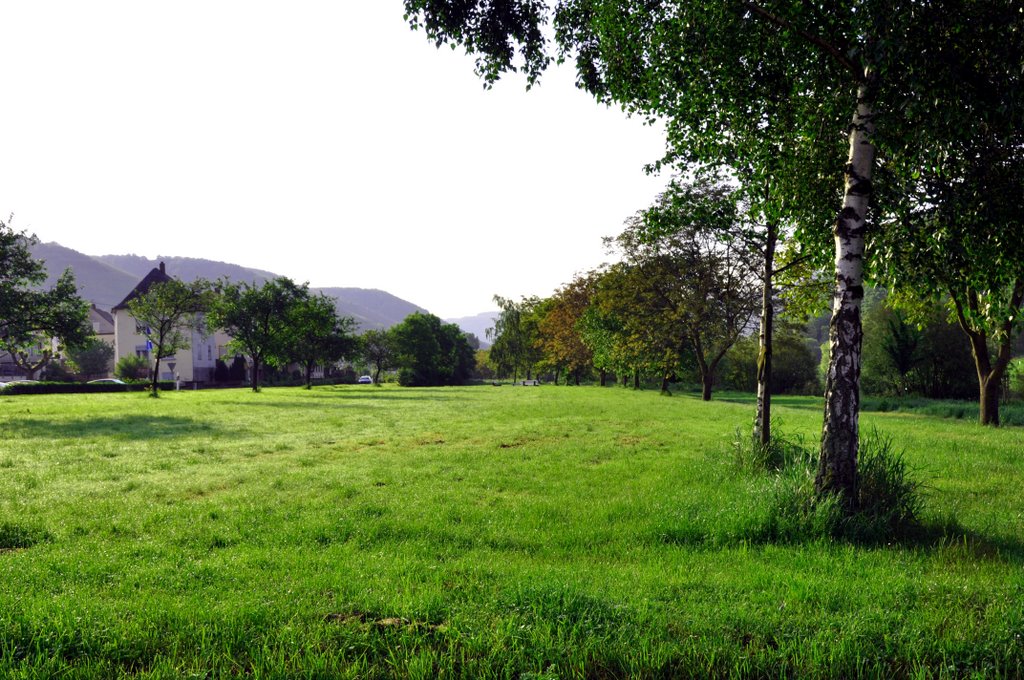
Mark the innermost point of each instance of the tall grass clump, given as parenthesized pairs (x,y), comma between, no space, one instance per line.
(18,537)
(782,452)
(888,506)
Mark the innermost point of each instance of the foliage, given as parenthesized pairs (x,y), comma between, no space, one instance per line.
(317,335)
(688,276)
(238,369)
(132,367)
(220,371)
(927,356)
(94,358)
(794,369)
(559,336)
(171,311)
(378,351)
(429,352)
(56,387)
(910,84)
(257,317)
(31,317)
(515,338)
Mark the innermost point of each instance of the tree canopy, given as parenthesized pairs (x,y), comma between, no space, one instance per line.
(31,317)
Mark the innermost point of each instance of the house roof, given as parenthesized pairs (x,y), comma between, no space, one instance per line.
(156,275)
(102,321)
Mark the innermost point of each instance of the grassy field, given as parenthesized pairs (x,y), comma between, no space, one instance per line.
(478,532)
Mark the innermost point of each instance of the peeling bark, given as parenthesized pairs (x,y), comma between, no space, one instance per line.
(837,468)
(763,419)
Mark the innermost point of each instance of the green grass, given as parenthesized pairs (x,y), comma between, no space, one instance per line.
(479,532)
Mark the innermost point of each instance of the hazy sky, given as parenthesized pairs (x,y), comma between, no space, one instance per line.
(321,140)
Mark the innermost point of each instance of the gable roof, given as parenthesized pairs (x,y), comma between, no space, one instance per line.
(156,275)
(102,321)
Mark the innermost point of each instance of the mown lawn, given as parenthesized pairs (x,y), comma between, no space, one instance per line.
(478,532)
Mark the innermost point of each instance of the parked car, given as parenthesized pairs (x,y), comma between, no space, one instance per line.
(106,381)
(365,380)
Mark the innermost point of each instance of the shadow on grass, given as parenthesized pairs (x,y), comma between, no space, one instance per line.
(139,427)
(944,536)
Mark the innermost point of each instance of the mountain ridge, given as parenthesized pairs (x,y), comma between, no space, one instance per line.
(105,280)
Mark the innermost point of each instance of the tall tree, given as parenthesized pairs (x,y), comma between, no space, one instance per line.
(703,66)
(559,334)
(317,335)
(955,236)
(29,317)
(258,318)
(514,345)
(171,310)
(693,270)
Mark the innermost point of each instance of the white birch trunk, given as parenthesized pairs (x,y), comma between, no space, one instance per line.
(837,470)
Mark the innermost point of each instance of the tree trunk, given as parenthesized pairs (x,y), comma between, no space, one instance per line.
(309,376)
(376,375)
(763,418)
(990,375)
(707,381)
(255,375)
(576,377)
(156,376)
(664,386)
(837,468)
(604,377)
(988,403)
(557,371)
(636,379)
(625,380)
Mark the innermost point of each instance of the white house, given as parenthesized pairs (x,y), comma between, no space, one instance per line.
(195,364)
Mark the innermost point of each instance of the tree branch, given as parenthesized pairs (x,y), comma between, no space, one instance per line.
(828,48)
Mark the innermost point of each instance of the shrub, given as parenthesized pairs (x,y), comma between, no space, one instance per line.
(132,367)
(238,371)
(220,371)
(80,388)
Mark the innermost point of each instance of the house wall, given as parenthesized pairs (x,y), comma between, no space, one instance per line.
(193,364)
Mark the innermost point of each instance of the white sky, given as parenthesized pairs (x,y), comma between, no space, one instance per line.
(318,139)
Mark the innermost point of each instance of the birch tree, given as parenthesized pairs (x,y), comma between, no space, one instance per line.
(702,66)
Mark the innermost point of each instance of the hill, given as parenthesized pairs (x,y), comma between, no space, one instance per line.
(106,279)
(187,268)
(101,283)
(477,324)
(372,308)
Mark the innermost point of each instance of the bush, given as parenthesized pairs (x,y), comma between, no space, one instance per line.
(238,371)
(80,388)
(220,371)
(132,367)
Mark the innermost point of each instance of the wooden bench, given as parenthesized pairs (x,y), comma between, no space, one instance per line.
(529,383)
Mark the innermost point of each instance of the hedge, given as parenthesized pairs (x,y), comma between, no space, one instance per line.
(80,388)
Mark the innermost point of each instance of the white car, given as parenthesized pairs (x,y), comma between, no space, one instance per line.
(106,381)
(365,380)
